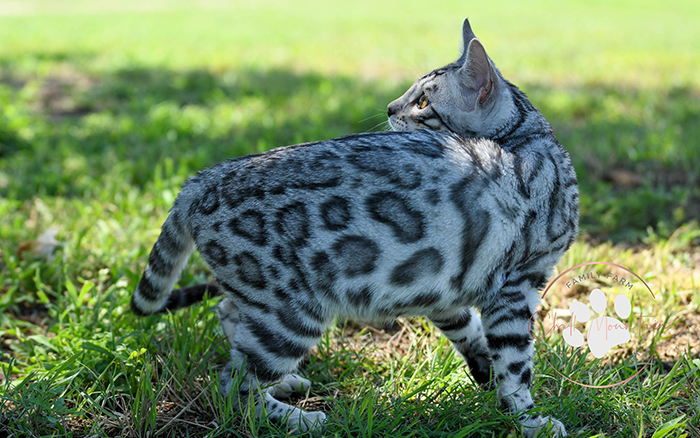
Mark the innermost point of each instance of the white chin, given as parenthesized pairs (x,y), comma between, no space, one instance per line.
(396,126)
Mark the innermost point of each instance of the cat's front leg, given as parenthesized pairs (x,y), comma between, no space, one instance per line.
(507,324)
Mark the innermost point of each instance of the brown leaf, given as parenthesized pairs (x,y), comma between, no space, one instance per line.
(41,247)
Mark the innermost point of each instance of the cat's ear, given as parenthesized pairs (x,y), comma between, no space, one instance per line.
(478,77)
(467,37)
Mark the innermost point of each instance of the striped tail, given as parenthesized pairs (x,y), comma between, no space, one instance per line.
(187,296)
(168,258)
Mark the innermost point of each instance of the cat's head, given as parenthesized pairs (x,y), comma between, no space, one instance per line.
(468,97)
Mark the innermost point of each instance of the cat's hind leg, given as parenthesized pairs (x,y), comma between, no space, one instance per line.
(229,317)
(463,328)
(270,352)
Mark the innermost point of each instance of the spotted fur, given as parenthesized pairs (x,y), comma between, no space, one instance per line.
(472,213)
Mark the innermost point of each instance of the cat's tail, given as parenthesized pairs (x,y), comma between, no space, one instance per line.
(187,296)
(168,258)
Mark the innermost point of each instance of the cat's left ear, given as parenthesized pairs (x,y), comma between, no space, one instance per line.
(479,80)
(467,37)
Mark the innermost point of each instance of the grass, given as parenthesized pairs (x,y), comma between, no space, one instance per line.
(105,109)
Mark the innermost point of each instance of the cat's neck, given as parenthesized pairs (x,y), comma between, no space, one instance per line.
(526,123)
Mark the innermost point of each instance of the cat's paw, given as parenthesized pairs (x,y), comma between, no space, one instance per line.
(306,422)
(290,384)
(534,425)
(297,420)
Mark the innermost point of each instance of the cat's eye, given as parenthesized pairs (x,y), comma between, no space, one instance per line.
(423,102)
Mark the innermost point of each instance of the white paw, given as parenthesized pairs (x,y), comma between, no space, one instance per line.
(306,422)
(533,426)
(298,420)
(290,384)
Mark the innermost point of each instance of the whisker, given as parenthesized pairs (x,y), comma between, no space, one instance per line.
(384,124)
(373,117)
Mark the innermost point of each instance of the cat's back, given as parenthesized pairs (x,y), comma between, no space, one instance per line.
(326,164)
(421,143)
(427,170)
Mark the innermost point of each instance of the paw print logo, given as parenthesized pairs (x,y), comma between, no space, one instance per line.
(604,332)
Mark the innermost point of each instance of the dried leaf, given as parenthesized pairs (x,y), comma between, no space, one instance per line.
(42,247)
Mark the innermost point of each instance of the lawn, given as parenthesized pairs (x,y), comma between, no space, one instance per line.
(107,107)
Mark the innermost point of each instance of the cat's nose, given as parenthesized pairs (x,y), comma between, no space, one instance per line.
(391,109)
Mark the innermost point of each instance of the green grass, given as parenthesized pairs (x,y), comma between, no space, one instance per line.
(105,109)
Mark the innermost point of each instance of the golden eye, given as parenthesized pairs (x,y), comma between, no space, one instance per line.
(423,102)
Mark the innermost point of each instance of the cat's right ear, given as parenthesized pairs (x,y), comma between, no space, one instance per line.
(478,78)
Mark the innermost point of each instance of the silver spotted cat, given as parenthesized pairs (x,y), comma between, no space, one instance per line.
(469,207)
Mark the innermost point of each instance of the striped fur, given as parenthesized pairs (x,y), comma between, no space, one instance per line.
(471,214)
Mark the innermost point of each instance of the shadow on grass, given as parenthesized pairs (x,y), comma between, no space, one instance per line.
(62,136)
(634,152)
(70,133)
